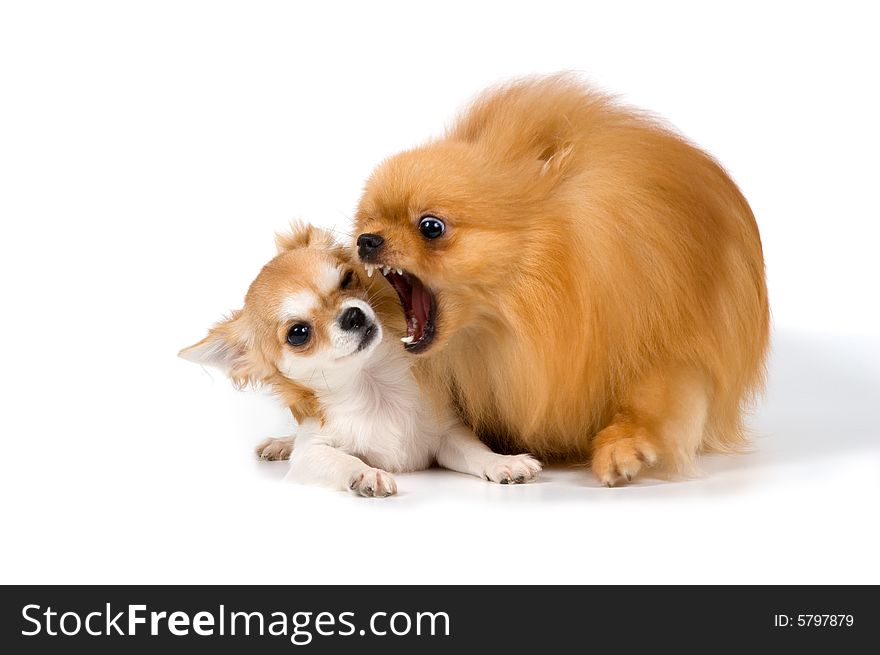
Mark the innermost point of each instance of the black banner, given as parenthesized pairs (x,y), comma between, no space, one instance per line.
(429,619)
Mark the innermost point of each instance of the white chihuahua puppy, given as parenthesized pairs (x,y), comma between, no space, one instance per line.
(309,329)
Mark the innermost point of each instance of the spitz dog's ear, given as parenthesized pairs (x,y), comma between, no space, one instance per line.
(303,235)
(228,347)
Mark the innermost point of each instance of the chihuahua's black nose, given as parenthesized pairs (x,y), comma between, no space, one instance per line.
(352,319)
(368,246)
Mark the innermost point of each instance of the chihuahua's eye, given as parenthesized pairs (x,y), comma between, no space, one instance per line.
(346,280)
(298,334)
(431,227)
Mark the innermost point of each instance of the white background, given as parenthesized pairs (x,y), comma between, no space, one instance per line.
(149,150)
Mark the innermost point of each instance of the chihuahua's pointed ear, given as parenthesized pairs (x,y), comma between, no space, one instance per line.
(227,347)
(303,235)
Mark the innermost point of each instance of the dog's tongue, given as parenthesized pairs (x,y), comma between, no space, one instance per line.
(421,307)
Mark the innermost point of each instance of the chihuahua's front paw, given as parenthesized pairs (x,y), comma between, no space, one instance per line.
(373,483)
(512,469)
(275,448)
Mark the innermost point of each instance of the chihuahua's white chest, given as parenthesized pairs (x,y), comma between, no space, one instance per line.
(379,414)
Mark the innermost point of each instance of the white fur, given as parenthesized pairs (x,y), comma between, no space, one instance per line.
(378,421)
(299,305)
(328,279)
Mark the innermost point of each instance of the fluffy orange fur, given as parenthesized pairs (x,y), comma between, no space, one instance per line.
(600,287)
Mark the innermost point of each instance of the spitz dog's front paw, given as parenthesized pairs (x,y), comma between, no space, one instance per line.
(621,452)
(512,469)
(373,483)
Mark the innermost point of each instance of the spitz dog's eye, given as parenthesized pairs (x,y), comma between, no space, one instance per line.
(298,334)
(346,280)
(431,227)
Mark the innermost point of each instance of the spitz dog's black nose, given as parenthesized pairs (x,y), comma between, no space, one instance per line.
(368,246)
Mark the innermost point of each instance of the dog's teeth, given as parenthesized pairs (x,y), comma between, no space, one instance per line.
(386,270)
(399,272)
(369,270)
(406,339)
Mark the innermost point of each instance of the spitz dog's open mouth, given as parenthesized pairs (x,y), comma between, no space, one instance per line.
(419,307)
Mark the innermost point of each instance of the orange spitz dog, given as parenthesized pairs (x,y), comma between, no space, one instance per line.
(581,281)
